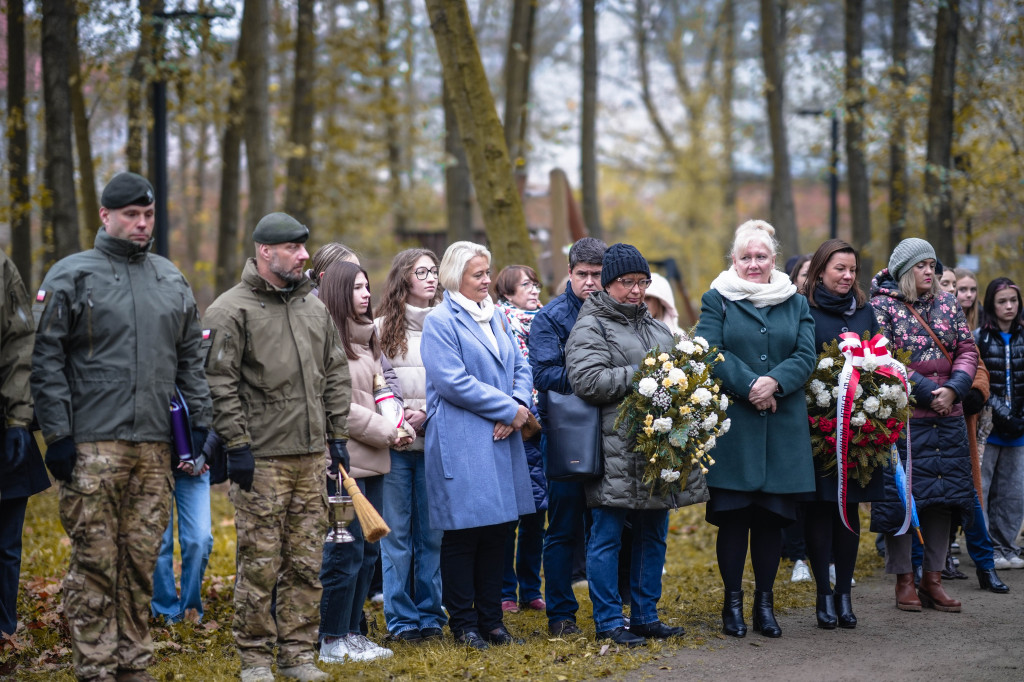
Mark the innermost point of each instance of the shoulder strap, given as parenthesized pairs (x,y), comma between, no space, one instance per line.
(928,328)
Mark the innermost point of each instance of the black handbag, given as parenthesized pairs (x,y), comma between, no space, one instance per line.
(573,429)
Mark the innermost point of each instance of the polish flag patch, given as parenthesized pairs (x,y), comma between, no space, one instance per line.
(41,295)
(206,335)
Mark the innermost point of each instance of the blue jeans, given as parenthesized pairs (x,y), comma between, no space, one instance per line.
(650,529)
(522,562)
(347,570)
(411,552)
(567,512)
(195,538)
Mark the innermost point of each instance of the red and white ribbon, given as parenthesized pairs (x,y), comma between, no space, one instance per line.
(858,354)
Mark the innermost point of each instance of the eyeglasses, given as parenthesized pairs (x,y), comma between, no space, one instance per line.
(421,273)
(629,282)
(530,286)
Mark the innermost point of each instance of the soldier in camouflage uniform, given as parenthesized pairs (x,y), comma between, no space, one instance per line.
(118,329)
(281,393)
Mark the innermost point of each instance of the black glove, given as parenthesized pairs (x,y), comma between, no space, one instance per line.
(973,402)
(60,458)
(216,455)
(241,466)
(339,454)
(198,457)
(1005,421)
(16,445)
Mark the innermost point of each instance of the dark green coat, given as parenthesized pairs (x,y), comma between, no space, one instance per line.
(607,343)
(763,451)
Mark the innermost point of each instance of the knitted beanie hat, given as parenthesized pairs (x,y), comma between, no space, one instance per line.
(621,259)
(907,254)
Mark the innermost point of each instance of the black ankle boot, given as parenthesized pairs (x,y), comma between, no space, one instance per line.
(732,614)
(764,614)
(989,580)
(844,610)
(825,612)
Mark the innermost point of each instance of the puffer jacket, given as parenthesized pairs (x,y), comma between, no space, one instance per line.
(1007,397)
(606,345)
(369,433)
(939,449)
(117,331)
(277,372)
(408,368)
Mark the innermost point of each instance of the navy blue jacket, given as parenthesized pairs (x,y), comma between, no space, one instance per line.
(548,334)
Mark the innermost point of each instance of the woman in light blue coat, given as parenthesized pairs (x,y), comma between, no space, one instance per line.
(478,391)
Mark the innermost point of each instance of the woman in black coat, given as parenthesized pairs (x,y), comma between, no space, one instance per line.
(838,305)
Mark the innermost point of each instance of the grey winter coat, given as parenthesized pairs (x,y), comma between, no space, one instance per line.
(606,345)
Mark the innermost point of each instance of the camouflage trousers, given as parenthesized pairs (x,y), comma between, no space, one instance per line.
(115,510)
(281,525)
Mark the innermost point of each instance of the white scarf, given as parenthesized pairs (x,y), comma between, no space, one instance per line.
(733,287)
(481,312)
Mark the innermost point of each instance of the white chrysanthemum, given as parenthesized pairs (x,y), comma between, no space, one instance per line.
(702,342)
(647,387)
(901,400)
(817,387)
(712,442)
(703,396)
(710,421)
(858,392)
(724,428)
(826,363)
(884,412)
(686,346)
(835,391)
(859,419)
(871,405)
(870,364)
(676,375)
(662,425)
(723,403)
(823,399)
(669,476)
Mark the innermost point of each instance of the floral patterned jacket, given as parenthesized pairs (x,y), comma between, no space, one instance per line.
(931,369)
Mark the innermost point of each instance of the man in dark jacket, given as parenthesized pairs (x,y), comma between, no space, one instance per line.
(118,330)
(567,502)
(21,468)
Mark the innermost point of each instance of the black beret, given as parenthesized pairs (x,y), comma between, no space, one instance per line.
(279,228)
(127,189)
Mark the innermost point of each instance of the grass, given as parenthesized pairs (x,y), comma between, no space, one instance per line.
(692,597)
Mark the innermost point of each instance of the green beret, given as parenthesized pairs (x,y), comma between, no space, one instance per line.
(279,228)
(127,189)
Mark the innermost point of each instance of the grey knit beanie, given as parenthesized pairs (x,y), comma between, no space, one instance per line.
(907,254)
(621,259)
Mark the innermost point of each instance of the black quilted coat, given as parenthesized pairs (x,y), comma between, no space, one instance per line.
(995,353)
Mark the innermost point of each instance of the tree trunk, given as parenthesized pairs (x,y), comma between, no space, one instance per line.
(60,213)
(726,117)
(481,134)
(518,57)
(857,170)
(83,145)
(588,122)
(230,180)
(458,187)
(256,122)
(937,186)
(392,131)
(783,213)
(300,158)
(898,176)
(138,86)
(17,143)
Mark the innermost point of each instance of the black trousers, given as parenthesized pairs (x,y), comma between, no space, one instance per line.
(12,519)
(472,567)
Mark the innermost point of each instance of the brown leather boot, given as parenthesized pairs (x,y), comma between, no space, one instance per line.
(933,596)
(906,598)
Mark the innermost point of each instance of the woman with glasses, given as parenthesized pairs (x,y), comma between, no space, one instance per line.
(613,333)
(766,333)
(411,552)
(517,289)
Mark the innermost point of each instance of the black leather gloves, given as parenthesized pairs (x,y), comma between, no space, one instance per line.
(241,466)
(60,458)
(339,454)
(16,445)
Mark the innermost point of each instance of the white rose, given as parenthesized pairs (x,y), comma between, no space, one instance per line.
(647,387)
(702,342)
(675,375)
(686,346)
(703,396)
(859,419)
(724,428)
(709,421)
(723,403)
(817,387)
(669,476)
(871,405)
(662,425)
(826,363)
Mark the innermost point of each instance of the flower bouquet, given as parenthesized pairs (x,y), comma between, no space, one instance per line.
(858,403)
(675,412)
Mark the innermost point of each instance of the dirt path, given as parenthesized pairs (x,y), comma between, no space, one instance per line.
(984,642)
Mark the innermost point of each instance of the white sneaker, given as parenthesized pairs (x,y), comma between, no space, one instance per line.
(368,651)
(377,598)
(832,576)
(801,574)
(1016,562)
(1001,562)
(336,651)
